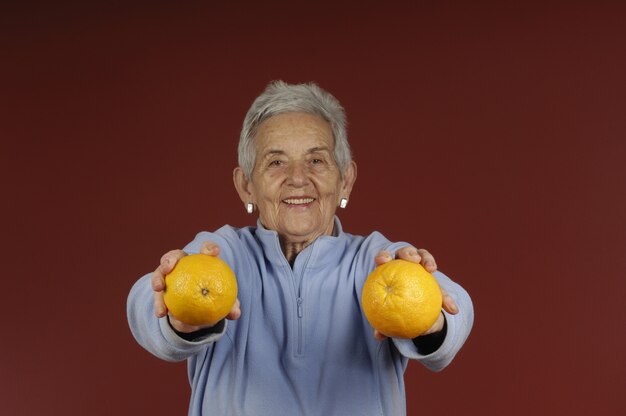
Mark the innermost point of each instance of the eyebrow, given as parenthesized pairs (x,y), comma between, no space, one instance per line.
(318,149)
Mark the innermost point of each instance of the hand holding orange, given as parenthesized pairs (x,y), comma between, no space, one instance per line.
(401,299)
(200,290)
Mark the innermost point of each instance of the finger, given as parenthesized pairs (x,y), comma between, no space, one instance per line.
(169,260)
(408,253)
(379,335)
(382,257)
(158,281)
(210,248)
(235,311)
(437,326)
(160,310)
(428,261)
(449,305)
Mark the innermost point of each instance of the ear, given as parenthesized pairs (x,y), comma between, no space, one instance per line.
(349,177)
(242,185)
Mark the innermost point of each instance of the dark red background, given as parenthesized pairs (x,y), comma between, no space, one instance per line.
(493,135)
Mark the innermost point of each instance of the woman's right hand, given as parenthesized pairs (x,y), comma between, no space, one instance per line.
(168,262)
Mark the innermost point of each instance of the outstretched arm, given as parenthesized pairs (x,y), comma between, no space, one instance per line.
(159,331)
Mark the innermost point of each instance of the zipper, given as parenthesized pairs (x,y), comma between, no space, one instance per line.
(299,302)
(300,316)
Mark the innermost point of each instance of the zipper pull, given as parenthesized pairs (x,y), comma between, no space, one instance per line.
(300,313)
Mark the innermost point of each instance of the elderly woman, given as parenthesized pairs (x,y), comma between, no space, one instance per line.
(297,342)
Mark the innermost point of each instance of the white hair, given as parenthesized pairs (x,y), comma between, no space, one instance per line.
(279,98)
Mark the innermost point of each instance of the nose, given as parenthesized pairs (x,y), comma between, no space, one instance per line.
(297,175)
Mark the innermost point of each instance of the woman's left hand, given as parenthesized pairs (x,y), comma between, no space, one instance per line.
(409,253)
(423,257)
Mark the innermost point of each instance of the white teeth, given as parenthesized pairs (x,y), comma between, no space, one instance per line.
(296,201)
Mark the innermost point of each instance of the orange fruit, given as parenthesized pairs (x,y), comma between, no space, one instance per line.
(401,299)
(200,290)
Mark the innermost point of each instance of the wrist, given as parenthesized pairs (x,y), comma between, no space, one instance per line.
(198,332)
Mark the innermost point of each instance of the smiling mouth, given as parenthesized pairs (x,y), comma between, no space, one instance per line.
(298,201)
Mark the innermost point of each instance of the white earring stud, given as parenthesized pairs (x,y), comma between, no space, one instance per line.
(343,203)
(249,207)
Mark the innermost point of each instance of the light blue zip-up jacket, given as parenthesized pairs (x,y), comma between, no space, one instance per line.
(302,345)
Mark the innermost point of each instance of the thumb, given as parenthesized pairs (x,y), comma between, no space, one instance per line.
(235,311)
(449,305)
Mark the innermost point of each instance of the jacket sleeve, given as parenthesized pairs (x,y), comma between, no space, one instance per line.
(458,326)
(155,334)
(458,329)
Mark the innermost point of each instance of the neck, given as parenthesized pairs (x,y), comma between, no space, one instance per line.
(291,248)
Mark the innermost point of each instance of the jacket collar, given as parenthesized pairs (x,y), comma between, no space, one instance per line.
(325,248)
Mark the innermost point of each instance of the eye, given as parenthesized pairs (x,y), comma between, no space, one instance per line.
(276,163)
(317,161)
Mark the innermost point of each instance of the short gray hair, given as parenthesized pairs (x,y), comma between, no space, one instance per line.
(280,97)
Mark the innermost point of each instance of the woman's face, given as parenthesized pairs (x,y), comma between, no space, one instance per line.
(296,184)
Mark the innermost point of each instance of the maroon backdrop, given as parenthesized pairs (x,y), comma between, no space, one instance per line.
(493,135)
